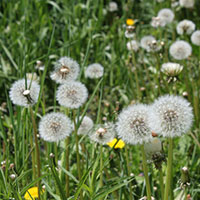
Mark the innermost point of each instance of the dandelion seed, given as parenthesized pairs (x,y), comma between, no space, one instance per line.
(112,7)
(66,69)
(103,133)
(166,15)
(22,96)
(171,116)
(185,26)
(171,69)
(195,38)
(94,71)
(54,127)
(72,94)
(132,45)
(149,43)
(180,50)
(132,125)
(187,3)
(86,126)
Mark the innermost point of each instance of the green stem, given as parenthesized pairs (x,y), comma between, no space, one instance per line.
(169,169)
(161,183)
(101,165)
(145,169)
(67,165)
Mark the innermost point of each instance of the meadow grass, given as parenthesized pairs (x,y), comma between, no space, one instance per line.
(88,32)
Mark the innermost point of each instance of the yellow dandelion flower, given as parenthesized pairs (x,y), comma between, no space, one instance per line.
(120,144)
(130,22)
(32,193)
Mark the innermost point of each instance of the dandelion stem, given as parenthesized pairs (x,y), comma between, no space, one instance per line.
(37,150)
(169,169)
(145,169)
(161,183)
(67,165)
(101,165)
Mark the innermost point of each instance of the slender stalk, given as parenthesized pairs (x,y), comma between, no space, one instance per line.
(129,171)
(37,150)
(169,169)
(145,169)
(161,183)
(101,165)
(67,165)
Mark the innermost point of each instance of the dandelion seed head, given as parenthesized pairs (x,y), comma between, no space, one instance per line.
(132,45)
(94,71)
(103,133)
(54,127)
(66,69)
(195,38)
(149,43)
(154,146)
(112,7)
(22,96)
(180,50)
(86,126)
(171,69)
(166,15)
(72,94)
(171,116)
(132,124)
(185,26)
(157,21)
(187,3)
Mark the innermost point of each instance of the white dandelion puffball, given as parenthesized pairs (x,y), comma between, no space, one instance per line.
(22,95)
(132,45)
(195,38)
(54,127)
(132,124)
(171,69)
(66,69)
(103,133)
(171,116)
(166,15)
(187,3)
(154,146)
(157,21)
(112,7)
(149,43)
(185,26)
(94,71)
(85,126)
(72,94)
(180,50)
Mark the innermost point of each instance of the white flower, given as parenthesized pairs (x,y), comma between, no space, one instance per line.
(54,127)
(112,7)
(103,133)
(66,69)
(132,45)
(85,126)
(94,71)
(166,15)
(185,26)
(171,116)
(180,50)
(72,94)
(132,124)
(149,43)
(195,38)
(22,95)
(171,69)
(187,3)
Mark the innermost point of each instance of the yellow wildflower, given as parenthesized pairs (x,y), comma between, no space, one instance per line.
(120,144)
(130,22)
(32,193)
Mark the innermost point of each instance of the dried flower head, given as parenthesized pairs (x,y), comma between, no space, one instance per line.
(149,43)
(180,50)
(187,3)
(171,116)
(132,124)
(195,38)
(166,15)
(54,127)
(112,7)
(94,71)
(66,69)
(72,94)
(171,69)
(85,126)
(185,26)
(22,95)
(132,45)
(103,133)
